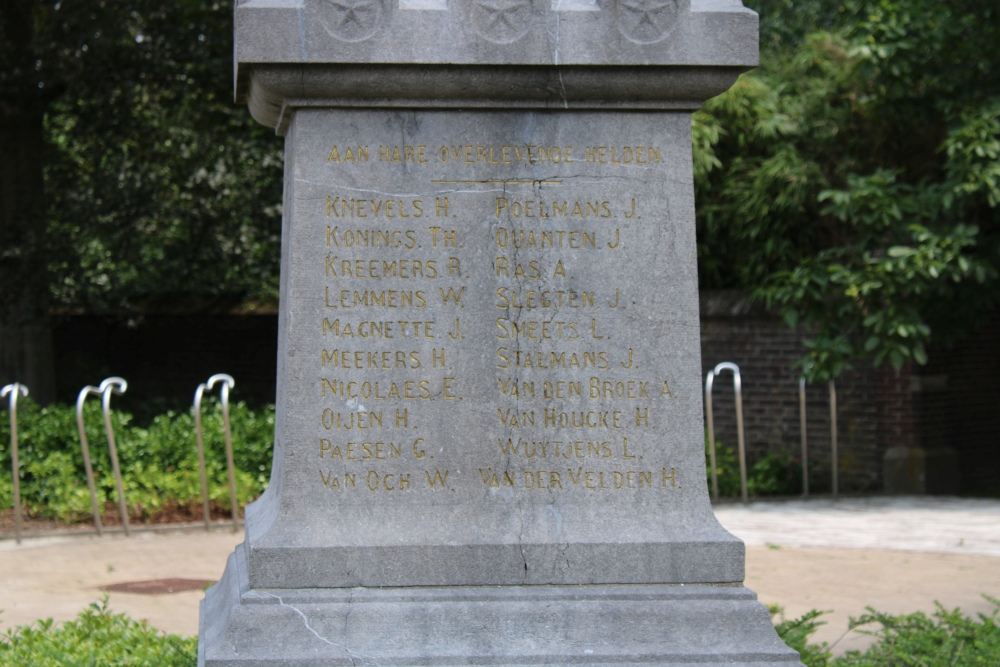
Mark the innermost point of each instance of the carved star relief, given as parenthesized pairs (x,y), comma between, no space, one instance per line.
(353,19)
(503,20)
(646,20)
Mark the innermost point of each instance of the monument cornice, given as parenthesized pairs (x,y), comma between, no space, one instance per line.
(518,54)
(274,91)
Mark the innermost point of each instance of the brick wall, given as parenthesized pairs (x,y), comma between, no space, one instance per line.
(766,350)
(953,402)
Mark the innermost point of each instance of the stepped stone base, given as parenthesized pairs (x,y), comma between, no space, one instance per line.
(503,625)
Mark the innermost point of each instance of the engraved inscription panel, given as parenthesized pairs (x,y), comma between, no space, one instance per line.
(484,315)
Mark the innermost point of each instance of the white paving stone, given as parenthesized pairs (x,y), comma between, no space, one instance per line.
(905,523)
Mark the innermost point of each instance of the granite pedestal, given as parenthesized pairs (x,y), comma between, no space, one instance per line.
(489,443)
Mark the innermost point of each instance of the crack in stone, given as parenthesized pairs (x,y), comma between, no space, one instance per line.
(520,543)
(305,621)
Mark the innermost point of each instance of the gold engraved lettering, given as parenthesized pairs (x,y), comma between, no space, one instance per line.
(562,389)
(628,215)
(371,360)
(509,154)
(511,389)
(555,449)
(672,478)
(582,419)
(507,358)
(368,238)
(375,298)
(531,271)
(332,481)
(622,154)
(391,209)
(630,389)
(376,329)
(533,299)
(352,421)
(445,237)
(541,210)
(418,451)
(359,269)
(493,481)
(437,479)
(387,482)
(581,478)
(593,330)
(382,391)
(379,329)
(348,154)
(451,295)
(403,154)
(537,330)
(625,452)
(359,451)
(511,419)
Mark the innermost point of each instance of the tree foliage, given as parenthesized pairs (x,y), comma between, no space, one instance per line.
(160,192)
(852,181)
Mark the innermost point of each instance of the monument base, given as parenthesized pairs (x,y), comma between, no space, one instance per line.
(604,625)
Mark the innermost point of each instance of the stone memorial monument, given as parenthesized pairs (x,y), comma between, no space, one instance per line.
(489,441)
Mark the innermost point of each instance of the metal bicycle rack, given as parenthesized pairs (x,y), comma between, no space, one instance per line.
(13,390)
(112,385)
(802,432)
(88,469)
(227,384)
(738,388)
(834,459)
(834,463)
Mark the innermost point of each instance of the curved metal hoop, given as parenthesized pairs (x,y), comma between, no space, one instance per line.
(227,383)
(738,388)
(13,391)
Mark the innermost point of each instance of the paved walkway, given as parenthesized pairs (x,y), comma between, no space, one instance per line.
(928,524)
(897,554)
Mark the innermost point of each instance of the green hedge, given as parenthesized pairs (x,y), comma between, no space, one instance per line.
(96,637)
(946,638)
(159,462)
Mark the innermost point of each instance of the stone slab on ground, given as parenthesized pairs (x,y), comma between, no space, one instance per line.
(907,523)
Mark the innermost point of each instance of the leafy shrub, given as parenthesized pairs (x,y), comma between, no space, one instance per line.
(776,473)
(159,463)
(96,637)
(946,638)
